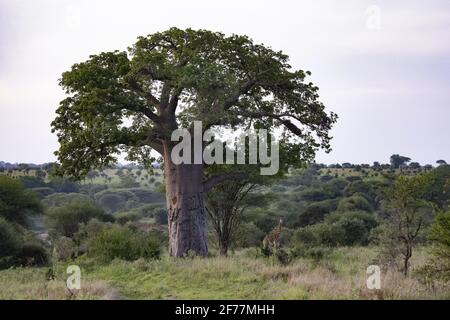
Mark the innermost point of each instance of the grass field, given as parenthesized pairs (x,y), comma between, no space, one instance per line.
(243,275)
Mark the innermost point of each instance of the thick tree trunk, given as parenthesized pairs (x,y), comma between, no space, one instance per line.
(186,212)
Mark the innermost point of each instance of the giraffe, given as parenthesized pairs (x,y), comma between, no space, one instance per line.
(273,238)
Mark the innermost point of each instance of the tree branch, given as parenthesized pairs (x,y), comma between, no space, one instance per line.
(228,176)
(173,103)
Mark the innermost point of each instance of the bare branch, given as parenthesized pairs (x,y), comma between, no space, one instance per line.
(228,176)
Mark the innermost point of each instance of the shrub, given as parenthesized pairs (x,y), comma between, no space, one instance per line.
(161,217)
(10,240)
(282,256)
(33,254)
(64,185)
(315,253)
(123,243)
(64,248)
(92,189)
(15,202)
(316,212)
(42,192)
(438,265)
(361,187)
(355,202)
(266,222)
(315,195)
(248,235)
(61,199)
(124,217)
(319,234)
(65,220)
(110,202)
(32,182)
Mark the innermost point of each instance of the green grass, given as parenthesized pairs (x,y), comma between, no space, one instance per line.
(243,275)
(32,283)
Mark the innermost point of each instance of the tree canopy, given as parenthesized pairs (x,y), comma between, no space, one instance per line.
(130,101)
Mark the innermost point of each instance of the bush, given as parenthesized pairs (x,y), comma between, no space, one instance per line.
(33,254)
(282,256)
(42,192)
(124,217)
(316,212)
(65,220)
(438,264)
(64,185)
(61,199)
(361,187)
(29,182)
(315,253)
(123,243)
(266,222)
(111,202)
(248,235)
(319,234)
(15,202)
(64,248)
(355,202)
(315,195)
(10,240)
(161,217)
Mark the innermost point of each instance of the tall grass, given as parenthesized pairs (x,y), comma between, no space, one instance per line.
(243,275)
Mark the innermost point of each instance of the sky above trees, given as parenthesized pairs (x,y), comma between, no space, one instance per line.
(389,85)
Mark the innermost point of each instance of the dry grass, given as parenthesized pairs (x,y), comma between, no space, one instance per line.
(31,284)
(244,275)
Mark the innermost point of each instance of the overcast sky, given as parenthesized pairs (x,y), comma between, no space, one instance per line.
(383,66)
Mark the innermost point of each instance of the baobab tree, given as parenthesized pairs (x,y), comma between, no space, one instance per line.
(131,101)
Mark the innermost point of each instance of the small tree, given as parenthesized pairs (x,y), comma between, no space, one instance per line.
(406,207)
(15,202)
(438,266)
(397,161)
(225,205)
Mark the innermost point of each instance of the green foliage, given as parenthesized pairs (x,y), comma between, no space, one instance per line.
(29,182)
(355,231)
(338,229)
(438,265)
(65,220)
(127,181)
(123,243)
(161,216)
(408,213)
(283,256)
(315,253)
(355,202)
(64,248)
(221,80)
(248,235)
(315,195)
(316,212)
(33,253)
(61,199)
(129,216)
(398,160)
(319,234)
(10,239)
(363,188)
(15,202)
(17,250)
(112,200)
(63,185)
(439,190)
(42,192)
